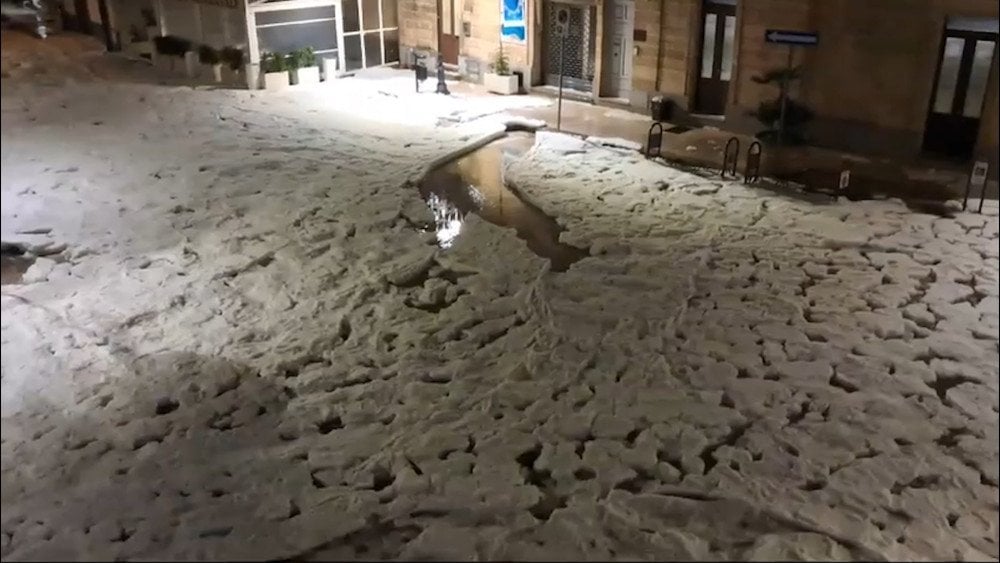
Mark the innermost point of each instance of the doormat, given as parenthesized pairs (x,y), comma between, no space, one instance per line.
(677,129)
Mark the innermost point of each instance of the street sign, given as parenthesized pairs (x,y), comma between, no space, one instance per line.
(978,180)
(785,37)
(562,30)
(979,173)
(562,22)
(845,179)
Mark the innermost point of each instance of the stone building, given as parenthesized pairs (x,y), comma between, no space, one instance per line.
(902,78)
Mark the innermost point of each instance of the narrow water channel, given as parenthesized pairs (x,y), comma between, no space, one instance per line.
(475,183)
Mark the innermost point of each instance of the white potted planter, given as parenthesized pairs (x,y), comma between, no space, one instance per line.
(505,84)
(212,72)
(329,67)
(307,75)
(211,63)
(274,81)
(164,63)
(190,65)
(500,80)
(275,68)
(304,69)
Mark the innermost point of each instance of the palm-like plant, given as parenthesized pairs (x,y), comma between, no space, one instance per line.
(768,112)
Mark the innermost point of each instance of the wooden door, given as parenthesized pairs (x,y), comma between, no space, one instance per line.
(716,67)
(959,89)
(449,25)
(82,16)
(620,55)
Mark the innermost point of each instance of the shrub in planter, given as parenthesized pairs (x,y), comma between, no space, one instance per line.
(171,47)
(211,61)
(304,63)
(162,47)
(275,67)
(500,80)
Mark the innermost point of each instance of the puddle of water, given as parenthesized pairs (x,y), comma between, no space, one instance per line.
(475,184)
(13,263)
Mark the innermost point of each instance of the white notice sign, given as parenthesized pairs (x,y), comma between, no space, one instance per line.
(979,170)
(845,179)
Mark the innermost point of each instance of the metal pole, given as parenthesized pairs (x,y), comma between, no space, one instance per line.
(562,57)
(784,98)
(968,189)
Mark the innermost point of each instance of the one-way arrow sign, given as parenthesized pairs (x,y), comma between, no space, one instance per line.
(784,37)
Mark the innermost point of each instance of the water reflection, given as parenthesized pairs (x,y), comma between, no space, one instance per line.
(475,184)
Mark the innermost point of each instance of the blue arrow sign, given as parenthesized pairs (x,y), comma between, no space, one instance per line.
(784,37)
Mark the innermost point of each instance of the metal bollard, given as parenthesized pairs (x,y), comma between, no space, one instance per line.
(751,172)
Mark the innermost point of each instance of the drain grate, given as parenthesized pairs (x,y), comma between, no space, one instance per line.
(677,129)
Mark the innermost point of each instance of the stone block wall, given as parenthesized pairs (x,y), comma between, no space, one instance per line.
(662,63)
(418,25)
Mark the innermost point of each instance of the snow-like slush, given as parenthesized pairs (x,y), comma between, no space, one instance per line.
(475,183)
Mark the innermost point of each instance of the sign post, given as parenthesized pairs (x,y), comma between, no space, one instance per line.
(978,180)
(562,28)
(792,39)
(845,181)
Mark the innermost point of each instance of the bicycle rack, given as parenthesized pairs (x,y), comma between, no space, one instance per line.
(751,173)
(654,141)
(735,154)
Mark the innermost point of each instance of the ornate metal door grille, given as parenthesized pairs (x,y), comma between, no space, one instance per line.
(578,66)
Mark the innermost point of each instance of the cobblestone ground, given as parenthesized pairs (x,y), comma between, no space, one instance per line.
(241,345)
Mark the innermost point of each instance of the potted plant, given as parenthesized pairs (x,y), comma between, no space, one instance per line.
(304,64)
(170,48)
(211,62)
(275,67)
(233,61)
(164,51)
(787,129)
(500,80)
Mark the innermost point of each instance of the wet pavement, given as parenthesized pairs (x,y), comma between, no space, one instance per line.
(912,179)
(475,183)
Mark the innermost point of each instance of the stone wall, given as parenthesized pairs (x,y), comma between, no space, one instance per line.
(482,18)
(663,61)
(418,25)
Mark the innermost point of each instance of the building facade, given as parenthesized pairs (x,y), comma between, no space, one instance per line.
(357,33)
(897,77)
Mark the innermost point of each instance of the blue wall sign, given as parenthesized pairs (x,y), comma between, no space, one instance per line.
(513,21)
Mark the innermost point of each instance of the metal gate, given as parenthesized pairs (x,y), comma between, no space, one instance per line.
(578,66)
